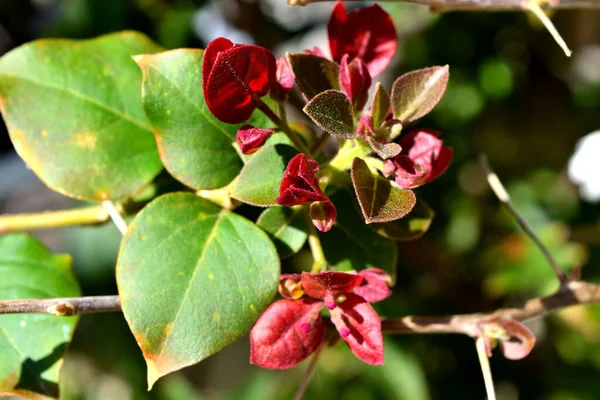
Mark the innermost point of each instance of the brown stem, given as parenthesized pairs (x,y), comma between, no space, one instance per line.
(64,307)
(476,5)
(571,294)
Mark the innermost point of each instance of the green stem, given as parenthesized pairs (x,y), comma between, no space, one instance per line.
(281,125)
(319,260)
(221,196)
(282,112)
(319,143)
(54,219)
(349,150)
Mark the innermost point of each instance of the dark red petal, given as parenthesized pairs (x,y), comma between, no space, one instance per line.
(520,343)
(251,138)
(237,74)
(293,196)
(335,30)
(287,333)
(375,285)
(323,215)
(367,33)
(360,326)
(330,283)
(299,184)
(441,163)
(210,55)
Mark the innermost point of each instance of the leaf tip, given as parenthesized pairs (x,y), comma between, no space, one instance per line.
(153,373)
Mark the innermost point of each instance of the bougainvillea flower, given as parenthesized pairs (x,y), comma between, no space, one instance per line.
(368,34)
(251,138)
(323,214)
(375,285)
(284,80)
(233,75)
(292,329)
(299,184)
(423,159)
(355,81)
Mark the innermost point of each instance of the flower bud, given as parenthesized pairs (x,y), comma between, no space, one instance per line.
(323,215)
(355,81)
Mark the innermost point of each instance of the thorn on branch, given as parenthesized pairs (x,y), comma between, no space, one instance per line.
(504,198)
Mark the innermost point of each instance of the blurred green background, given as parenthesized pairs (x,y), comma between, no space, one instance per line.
(512,94)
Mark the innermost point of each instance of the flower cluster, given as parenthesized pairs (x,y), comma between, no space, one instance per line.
(292,329)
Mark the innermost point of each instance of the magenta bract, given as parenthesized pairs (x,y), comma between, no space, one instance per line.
(284,80)
(423,159)
(360,327)
(287,333)
(375,285)
(368,34)
(232,76)
(291,329)
(328,285)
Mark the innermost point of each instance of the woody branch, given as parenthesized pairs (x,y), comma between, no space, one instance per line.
(478,5)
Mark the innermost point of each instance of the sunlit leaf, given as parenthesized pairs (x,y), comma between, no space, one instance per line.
(195,147)
(74,114)
(415,93)
(286,227)
(379,200)
(192,279)
(332,111)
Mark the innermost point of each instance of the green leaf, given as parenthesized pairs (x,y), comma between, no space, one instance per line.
(260,179)
(195,147)
(74,114)
(351,244)
(192,279)
(414,225)
(380,108)
(415,93)
(32,346)
(379,200)
(286,227)
(313,74)
(332,111)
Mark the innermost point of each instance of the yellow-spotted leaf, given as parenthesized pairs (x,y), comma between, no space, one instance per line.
(74,114)
(192,279)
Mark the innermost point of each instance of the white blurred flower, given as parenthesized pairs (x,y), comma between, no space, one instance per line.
(209,23)
(584,166)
